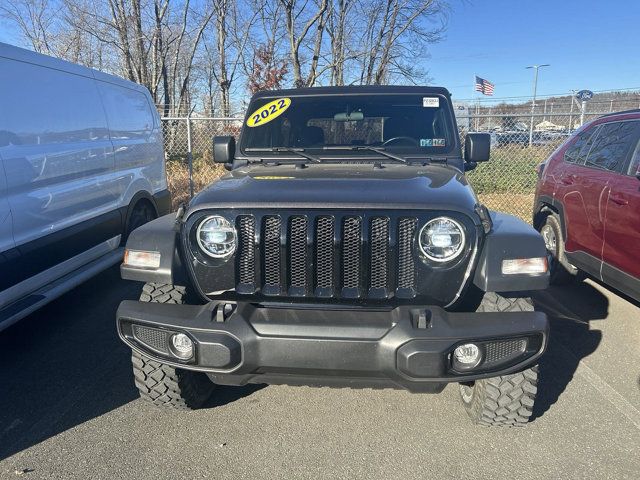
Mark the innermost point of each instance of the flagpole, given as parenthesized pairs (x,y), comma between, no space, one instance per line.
(477,100)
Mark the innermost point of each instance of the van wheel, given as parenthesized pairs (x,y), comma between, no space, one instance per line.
(560,270)
(142,213)
(161,384)
(505,400)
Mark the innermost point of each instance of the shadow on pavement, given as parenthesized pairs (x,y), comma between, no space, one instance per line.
(64,364)
(570,309)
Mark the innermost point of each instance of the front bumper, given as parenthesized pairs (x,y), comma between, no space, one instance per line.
(406,347)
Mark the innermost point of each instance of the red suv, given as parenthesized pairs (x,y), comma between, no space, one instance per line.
(587,204)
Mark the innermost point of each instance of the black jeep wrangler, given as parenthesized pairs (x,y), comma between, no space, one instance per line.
(344,248)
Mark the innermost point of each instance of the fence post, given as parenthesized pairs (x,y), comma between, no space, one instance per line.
(571,116)
(189,156)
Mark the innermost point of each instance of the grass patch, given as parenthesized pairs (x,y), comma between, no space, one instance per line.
(204,172)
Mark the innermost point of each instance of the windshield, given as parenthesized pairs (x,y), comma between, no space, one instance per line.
(329,125)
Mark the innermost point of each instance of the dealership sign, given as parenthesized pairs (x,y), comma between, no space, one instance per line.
(584,95)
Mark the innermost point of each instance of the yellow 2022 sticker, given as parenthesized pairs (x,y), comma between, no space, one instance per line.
(268,112)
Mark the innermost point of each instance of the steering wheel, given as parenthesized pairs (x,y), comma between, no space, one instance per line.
(410,140)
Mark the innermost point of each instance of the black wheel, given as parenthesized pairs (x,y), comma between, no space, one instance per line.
(162,384)
(505,400)
(142,213)
(561,271)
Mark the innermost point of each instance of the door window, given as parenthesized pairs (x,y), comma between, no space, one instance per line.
(576,152)
(634,166)
(610,149)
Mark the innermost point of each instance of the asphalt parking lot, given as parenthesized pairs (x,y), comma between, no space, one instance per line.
(68,409)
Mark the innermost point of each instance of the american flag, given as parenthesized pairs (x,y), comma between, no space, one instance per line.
(483,86)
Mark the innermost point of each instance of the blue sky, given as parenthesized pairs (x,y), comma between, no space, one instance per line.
(591,45)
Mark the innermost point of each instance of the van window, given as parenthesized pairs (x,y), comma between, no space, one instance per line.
(128,111)
(576,152)
(42,105)
(612,146)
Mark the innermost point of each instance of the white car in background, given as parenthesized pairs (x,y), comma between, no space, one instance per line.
(81,166)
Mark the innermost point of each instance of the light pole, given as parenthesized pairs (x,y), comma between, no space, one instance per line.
(533,102)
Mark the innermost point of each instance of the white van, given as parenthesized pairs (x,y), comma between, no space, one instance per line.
(81,165)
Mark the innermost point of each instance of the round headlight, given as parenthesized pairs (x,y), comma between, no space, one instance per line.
(441,239)
(217,237)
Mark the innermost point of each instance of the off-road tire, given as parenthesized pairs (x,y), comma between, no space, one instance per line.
(506,400)
(560,270)
(162,384)
(166,386)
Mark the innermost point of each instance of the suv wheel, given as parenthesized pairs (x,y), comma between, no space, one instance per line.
(561,271)
(162,384)
(506,400)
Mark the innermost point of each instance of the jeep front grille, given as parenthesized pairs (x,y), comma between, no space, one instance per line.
(326,255)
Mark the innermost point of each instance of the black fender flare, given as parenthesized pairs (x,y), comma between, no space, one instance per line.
(509,238)
(161,235)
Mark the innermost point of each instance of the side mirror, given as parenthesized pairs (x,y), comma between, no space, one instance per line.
(477,147)
(224,149)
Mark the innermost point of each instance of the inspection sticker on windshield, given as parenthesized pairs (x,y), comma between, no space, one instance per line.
(431,102)
(268,112)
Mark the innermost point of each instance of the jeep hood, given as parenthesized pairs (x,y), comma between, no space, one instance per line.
(340,186)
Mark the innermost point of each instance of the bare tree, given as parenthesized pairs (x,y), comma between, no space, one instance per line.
(293,13)
(191,53)
(34,19)
(232,33)
(391,28)
(337,30)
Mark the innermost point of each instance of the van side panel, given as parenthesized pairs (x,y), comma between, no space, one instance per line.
(136,136)
(59,163)
(6,234)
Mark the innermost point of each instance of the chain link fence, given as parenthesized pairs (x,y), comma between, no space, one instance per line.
(519,142)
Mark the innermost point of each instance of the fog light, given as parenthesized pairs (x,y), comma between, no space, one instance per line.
(182,346)
(466,356)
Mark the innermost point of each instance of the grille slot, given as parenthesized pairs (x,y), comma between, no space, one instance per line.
(298,252)
(324,252)
(379,252)
(246,251)
(271,242)
(351,252)
(406,265)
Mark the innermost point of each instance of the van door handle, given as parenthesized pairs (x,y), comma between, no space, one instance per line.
(618,200)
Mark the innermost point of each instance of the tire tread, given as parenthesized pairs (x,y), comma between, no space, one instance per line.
(161,384)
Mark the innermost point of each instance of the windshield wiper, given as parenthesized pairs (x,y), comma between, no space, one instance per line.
(297,151)
(379,150)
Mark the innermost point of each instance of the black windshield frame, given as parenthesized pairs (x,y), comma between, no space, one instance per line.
(409,105)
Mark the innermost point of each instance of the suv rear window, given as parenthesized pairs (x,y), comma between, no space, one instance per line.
(612,146)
